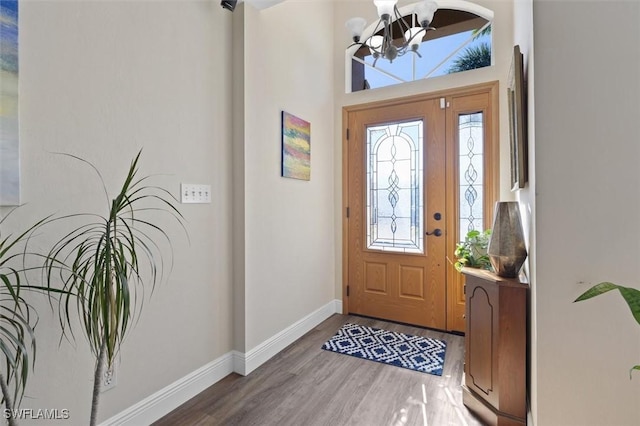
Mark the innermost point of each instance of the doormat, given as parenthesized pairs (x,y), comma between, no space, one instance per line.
(402,350)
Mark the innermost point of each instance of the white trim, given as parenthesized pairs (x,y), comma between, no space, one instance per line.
(177,393)
(238,362)
(267,349)
(380,70)
(338,304)
(172,396)
(465,6)
(262,4)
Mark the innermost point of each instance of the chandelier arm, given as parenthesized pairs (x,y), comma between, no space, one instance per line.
(387,36)
(380,49)
(371,48)
(401,20)
(390,26)
(377,28)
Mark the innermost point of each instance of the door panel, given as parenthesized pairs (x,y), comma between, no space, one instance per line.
(471,185)
(411,278)
(396,185)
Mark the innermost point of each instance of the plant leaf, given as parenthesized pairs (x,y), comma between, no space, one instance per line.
(630,295)
(596,290)
(635,367)
(18,318)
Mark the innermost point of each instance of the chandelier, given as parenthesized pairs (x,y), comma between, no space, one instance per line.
(383,46)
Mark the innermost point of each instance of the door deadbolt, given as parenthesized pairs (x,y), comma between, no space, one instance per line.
(437,216)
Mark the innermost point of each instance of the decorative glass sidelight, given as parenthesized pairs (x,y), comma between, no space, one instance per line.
(471,166)
(395,190)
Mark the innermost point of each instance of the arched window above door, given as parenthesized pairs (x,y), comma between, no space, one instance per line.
(462,41)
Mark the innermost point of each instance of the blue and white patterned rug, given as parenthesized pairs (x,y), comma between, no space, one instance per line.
(402,350)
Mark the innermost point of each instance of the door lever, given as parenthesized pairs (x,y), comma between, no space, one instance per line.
(437,232)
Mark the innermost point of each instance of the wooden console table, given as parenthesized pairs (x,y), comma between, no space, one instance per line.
(495,371)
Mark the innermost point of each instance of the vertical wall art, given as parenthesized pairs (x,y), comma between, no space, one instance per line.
(296,147)
(518,122)
(9,143)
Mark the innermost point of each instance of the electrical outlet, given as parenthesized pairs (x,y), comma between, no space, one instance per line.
(109,378)
(192,193)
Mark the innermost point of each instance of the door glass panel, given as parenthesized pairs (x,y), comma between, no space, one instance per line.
(395,187)
(471,148)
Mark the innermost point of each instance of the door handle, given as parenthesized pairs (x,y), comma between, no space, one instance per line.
(437,232)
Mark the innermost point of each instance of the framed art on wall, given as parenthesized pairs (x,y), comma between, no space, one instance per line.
(516,97)
(9,130)
(296,147)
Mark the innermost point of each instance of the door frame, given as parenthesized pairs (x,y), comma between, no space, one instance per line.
(492,159)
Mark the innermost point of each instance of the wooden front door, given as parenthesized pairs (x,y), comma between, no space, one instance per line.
(418,174)
(397,219)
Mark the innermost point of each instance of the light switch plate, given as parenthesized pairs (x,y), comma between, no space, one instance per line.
(195,193)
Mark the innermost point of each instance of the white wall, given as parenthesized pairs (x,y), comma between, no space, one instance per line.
(102,80)
(587,208)
(523,36)
(289,240)
(502,31)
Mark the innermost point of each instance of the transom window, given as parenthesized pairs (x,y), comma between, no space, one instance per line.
(462,41)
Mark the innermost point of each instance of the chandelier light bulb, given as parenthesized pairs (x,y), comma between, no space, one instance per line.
(425,11)
(356,27)
(413,37)
(375,44)
(386,8)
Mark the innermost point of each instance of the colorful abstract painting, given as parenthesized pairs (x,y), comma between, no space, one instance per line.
(9,142)
(296,147)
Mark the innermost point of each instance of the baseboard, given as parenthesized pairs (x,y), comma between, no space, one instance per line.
(177,393)
(338,306)
(257,356)
(171,397)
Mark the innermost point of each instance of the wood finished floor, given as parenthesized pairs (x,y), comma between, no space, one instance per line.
(307,386)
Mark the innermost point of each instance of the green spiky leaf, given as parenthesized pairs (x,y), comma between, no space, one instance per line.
(472,58)
(630,295)
(18,318)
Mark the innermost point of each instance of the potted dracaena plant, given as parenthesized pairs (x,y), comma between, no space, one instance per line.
(630,295)
(109,261)
(18,317)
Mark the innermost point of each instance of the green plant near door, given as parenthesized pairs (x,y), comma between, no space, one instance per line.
(109,263)
(17,318)
(472,252)
(630,295)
